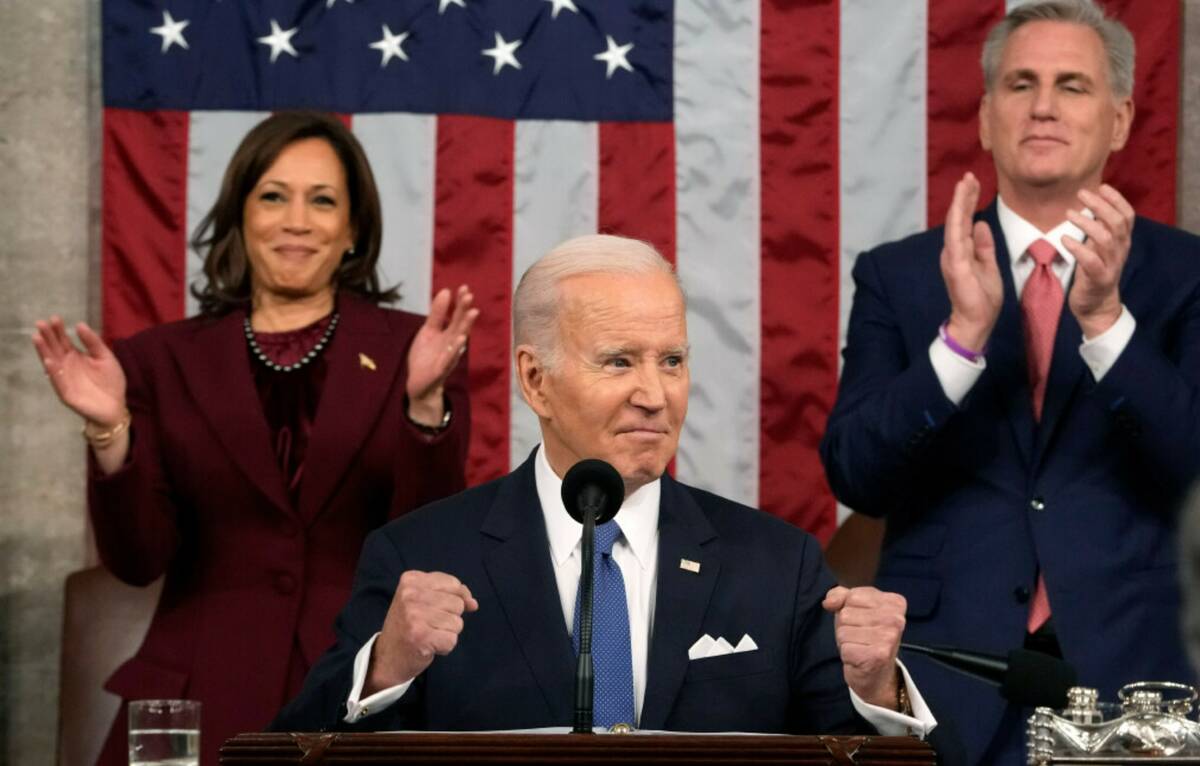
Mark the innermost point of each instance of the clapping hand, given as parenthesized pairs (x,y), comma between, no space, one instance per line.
(969,269)
(1095,299)
(435,351)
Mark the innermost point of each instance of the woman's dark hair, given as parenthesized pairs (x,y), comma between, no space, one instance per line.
(226,267)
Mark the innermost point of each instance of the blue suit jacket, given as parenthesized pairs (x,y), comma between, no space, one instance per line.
(978,497)
(514,665)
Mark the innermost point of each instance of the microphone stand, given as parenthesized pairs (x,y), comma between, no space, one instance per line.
(584,673)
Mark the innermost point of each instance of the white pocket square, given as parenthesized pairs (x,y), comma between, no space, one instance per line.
(706,646)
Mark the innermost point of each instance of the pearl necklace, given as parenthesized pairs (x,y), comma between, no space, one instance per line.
(313,353)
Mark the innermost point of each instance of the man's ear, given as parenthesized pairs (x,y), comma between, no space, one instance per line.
(1122,124)
(532,377)
(985,128)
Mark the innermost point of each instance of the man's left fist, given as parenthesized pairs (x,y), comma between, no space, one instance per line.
(868,624)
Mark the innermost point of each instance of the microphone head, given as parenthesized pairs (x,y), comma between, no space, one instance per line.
(593,483)
(1037,680)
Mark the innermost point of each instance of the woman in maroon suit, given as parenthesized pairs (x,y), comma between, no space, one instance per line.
(245,453)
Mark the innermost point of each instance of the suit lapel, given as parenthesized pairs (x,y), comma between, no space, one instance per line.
(1006,353)
(519,568)
(682,598)
(215,366)
(354,393)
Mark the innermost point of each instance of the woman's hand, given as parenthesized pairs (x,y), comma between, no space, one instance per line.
(435,351)
(89,381)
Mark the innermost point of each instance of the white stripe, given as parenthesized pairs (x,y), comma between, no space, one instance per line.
(717,198)
(212,139)
(555,197)
(402,149)
(883,135)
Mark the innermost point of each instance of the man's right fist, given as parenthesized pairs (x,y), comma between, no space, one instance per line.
(424,619)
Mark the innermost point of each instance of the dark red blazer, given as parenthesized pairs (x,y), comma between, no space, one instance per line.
(202,500)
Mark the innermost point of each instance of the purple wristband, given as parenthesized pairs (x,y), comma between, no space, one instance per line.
(964,352)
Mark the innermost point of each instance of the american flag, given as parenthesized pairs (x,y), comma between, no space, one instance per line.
(759,144)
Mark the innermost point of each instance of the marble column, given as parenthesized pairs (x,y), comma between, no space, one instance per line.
(46,139)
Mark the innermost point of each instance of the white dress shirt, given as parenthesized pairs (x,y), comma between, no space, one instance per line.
(957,374)
(636,552)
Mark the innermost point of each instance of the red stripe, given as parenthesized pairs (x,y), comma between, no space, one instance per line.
(799,159)
(637,182)
(143,220)
(954,86)
(473,244)
(1145,172)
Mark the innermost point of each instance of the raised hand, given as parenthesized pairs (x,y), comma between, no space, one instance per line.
(435,351)
(424,619)
(89,381)
(969,269)
(1095,297)
(868,624)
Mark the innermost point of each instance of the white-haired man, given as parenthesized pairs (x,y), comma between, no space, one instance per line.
(1024,409)
(720,617)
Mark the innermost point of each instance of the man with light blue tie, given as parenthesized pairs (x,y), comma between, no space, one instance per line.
(710,616)
(1021,391)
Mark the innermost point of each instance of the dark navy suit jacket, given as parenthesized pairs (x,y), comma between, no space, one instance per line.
(978,497)
(514,665)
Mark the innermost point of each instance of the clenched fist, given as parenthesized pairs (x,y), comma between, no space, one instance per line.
(424,620)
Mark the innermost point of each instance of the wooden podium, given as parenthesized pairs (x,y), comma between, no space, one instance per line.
(570,749)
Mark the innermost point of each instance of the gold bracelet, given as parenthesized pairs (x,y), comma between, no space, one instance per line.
(101,439)
(903,704)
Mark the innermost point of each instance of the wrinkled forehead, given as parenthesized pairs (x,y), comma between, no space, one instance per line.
(627,309)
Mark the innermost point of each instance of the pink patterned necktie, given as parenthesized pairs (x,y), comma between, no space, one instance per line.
(1041,305)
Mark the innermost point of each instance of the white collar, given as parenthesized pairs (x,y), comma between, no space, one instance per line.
(1019,234)
(638,517)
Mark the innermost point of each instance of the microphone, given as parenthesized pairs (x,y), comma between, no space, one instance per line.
(1025,677)
(593,492)
(595,485)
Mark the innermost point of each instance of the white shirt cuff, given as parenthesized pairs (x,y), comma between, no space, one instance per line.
(956,374)
(357,709)
(1100,353)
(889,723)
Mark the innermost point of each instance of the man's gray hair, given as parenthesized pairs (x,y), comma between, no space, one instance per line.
(536,301)
(1116,37)
(1189,573)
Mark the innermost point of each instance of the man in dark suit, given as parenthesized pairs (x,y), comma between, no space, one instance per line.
(1025,409)
(725,618)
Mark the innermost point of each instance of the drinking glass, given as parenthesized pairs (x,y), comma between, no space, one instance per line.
(164,733)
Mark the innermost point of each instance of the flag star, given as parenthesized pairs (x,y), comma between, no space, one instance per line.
(389,46)
(171,32)
(331,3)
(504,54)
(280,41)
(561,4)
(444,4)
(615,56)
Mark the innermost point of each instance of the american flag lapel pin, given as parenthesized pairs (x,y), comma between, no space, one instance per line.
(689,566)
(366,362)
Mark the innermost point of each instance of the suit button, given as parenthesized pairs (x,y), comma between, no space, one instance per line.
(1037,504)
(1021,594)
(285,584)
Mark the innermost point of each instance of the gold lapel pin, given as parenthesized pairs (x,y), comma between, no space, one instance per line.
(366,361)
(689,566)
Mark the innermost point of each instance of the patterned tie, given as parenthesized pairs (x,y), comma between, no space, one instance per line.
(1041,305)
(611,655)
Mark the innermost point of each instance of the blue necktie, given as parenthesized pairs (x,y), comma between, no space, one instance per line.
(611,655)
